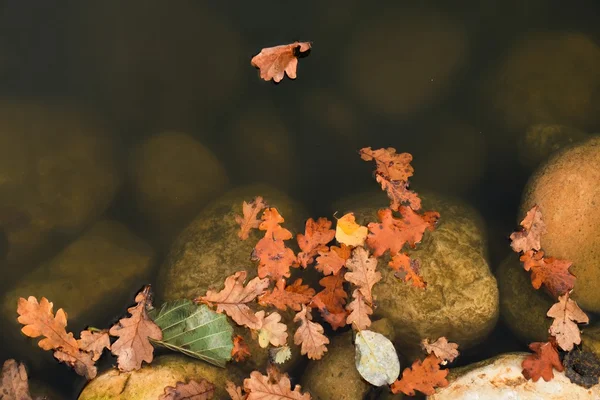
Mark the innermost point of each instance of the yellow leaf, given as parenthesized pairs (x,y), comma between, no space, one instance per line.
(349,232)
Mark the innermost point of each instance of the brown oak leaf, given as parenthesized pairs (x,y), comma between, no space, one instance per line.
(540,364)
(292,296)
(423,376)
(273,386)
(444,350)
(94,342)
(134,333)
(551,272)
(249,220)
(39,320)
(407,269)
(14,384)
(331,300)
(274,258)
(317,235)
(240,350)
(271,330)
(273,62)
(232,299)
(566,314)
(234,391)
(533,229)
(331,260)
(203,390)
(363,272)
(392,233)
(399,194)
(310,335)
(359,312)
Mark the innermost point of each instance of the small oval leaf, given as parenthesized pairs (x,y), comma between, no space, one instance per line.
(376,358)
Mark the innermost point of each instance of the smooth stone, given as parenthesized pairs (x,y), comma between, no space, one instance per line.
(540,141)
(522,307)
(150,381)
(566,190)
(172,177)
(501,378)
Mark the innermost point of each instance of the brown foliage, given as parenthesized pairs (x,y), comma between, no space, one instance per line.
(533,229)
(273,62)
(540,364)
(331,300)
(292,296)
(273,386)
(423,376)
(444,350)
(94,342)
(14,384)
(249,220)
(317,235)
(407,269)
(274,258)
(309,335)
(552,273)
(334,258)
(240,350)
(359,312)
(566,314)
(362,272)
(203,390)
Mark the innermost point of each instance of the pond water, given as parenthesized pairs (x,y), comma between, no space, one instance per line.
(120,121)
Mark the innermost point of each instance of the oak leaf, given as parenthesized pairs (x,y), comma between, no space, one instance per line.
(317,235)
(551,272)
(292,296)
(272,330)
(533,229)
(273,62)
(240,350)
(363,272)
(423,376)
(234,392)
(249,220)
(310,335)
(273,386)
(399,194)
(393,233)
(134,333)
(203,390)
(359,312)
(407,269)
(564,328)
(39,320)
(348,232)
(540,364)
(94,342)
(274,258)
(331,300)
(14,384)
(444,350)
(333,259)
(232,299)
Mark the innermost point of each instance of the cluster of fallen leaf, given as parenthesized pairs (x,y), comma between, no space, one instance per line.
(553,274)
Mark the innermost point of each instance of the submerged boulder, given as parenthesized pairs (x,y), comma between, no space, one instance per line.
(542,140)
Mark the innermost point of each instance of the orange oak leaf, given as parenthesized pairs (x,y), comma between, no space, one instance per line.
(134,333)
(407,269)
(317,235)
(273,386)
(271,330)
(310,335)
(552,273)
(331,300)
(274,258)
(292,296)
(392,233)
(232,299)
(94,342)
(566,314)
(39,320)
(273,62)
(359,312)
(533,229)
(423,376)
(399,194)
(234,391)
(203,390)
(14,384)
(348,232)
(249,220)
(333,259)
(240,350)
(363,272)
(444,350)
(540,364)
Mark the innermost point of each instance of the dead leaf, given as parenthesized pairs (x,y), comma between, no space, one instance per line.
(317,235)
(540,364)
(235,392)
(333,259)
(272,330)
(279,355)
(203,390)
(232,299)
(423,376)
(273,386)
(363,272)
(533,229)
(273,62)
(310,335)
(240,349)
(94,342)
(564,328)
(134,333)
(407,269)
(331,300)
(359,312)
(249,219)
(14,382)
(348,232)
(552,273)
(444,350)
(376,359)
(292,296)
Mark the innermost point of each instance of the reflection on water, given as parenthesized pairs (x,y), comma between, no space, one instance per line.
(120,121)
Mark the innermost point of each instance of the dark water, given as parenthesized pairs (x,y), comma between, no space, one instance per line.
(149,66)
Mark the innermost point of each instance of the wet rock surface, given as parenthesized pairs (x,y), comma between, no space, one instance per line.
(542,140)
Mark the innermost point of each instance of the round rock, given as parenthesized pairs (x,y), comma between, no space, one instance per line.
(542,140)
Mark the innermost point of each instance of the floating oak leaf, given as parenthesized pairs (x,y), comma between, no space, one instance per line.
(399,194)
(240,349)
(273,62)
(310,335)
(203,390)
(235,392)
(551,272)
(249,220)
(279,355)
(233,298)
(317,235)
(376,358)
(273,386)
(564,328)
(407,269)
(272,330)
(292,296)
(359,312)
(423,376)
(533,229)
(348,232)
(444,350)
(540,364)
(331,300)
(94,342)
(13,382)
(363,272)
(134,333)
(274,258)
(333,259)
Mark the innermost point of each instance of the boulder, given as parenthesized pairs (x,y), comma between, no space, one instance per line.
(542,140)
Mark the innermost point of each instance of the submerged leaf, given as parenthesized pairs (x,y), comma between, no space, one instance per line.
(13,382)
(273,386)
(203,390)
(376,358)
(279,355)
(249,220)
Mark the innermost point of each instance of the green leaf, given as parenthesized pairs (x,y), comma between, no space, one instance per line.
(376,358)
(194,330)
